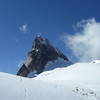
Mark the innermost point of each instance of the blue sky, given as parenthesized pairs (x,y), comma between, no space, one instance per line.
(52,18)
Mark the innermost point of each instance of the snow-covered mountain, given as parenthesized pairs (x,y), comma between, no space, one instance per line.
(80,81)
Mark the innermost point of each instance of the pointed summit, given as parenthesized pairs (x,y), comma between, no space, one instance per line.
(42,52)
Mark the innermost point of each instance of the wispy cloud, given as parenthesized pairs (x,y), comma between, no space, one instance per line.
(23,28)
(20,63)
(85,43)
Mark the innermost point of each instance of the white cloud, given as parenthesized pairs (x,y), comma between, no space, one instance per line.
(85,43)
(23,28)
(20,63)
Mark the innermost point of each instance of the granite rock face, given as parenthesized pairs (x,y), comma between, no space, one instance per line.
(42,52)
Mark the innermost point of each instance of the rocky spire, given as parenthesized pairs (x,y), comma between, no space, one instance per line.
(42,52)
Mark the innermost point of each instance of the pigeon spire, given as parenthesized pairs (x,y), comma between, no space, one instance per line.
(42,52)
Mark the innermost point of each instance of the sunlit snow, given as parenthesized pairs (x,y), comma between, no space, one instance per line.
(80,81)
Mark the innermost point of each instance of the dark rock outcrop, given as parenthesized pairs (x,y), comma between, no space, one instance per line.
(42,52)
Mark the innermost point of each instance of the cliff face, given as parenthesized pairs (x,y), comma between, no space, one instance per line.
(42,52)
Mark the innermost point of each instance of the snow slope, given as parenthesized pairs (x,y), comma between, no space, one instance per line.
(96,61)
(75,72)
(80,81)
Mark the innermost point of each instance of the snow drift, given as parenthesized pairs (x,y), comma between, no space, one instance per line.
(80,81)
